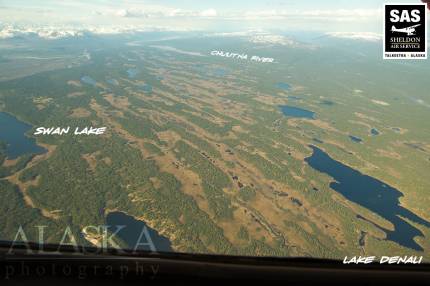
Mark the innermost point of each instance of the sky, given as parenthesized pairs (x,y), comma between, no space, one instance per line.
(217,15)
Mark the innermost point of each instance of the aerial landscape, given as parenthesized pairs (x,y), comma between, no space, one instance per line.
(260,142)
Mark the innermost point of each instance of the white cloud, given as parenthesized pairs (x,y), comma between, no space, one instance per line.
(10,31)
(122,13)
(366,36)
(328,15)
(6,33)
(152,13)
(235,34)
(344,13)
(272,39)
(134,16)
(57,32)
(263,38)
(155,12)
(209,13)
(159,11)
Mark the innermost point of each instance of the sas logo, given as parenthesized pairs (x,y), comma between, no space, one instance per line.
(405,31)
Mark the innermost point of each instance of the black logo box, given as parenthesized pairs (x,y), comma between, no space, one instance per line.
(420,31)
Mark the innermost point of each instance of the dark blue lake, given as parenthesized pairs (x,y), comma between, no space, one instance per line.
(220,72)
(327,102)
(372,194)
(374,132)
(146,88)
(355,139)
(88,80)
(132,73)
(113,81)
(12,131)
(131,233)
(284,86)
(292,111)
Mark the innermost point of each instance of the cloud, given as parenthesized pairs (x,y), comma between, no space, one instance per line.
(344,13)
(272,39)
(130,16)
(9,31)
(365,36)
(209,13)
(123,13)
(262,37)
(58,32)
(156,12)
(133,12)
(315,14)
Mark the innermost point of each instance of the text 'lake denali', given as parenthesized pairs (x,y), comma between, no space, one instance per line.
(383,260)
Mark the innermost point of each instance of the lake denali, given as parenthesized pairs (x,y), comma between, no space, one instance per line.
(12,132)
(373,194)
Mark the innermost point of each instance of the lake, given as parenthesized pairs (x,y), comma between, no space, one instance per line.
(12,131)
(220,72)
(374,131)
(146,88)
(292,97)
(355,139)
(132,73)
(291,111)
(132,231)
(327,102)
(371,193)
(284,86)
(112,81)
(88,80)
